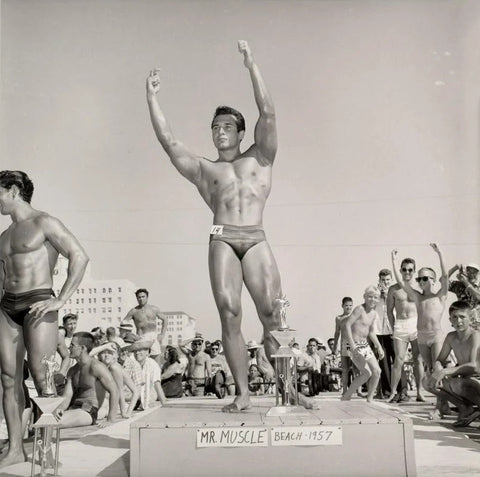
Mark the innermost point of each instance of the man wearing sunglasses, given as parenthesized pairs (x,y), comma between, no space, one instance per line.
(430,308)
(402,314)
(199,370)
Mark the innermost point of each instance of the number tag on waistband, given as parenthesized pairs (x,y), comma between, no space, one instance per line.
(216,230)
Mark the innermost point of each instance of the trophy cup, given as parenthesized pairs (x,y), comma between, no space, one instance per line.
(44,425)
(286,394)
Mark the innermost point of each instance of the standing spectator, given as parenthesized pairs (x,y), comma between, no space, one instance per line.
(467,288)
(346,361)
(384,332)
(402,313)
(199,370)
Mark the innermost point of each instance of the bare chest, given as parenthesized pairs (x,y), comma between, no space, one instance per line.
(21,238)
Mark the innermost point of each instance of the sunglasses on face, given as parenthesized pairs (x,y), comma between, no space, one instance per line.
(196,344)
(422,279)
(214,349)
(410,270)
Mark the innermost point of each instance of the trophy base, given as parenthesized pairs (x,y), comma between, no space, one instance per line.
(287,411)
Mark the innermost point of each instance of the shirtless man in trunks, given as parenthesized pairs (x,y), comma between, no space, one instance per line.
(199,369)
(80,399)
(235,187)
(430,308)
(460,384)
(340,320)
(145,317)
(402,313)
(29,249)
(359,327)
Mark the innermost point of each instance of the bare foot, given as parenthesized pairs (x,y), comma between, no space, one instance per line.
(13,458)
(392,398)
(420,398)
(345,398)
(307,403)
(239,404)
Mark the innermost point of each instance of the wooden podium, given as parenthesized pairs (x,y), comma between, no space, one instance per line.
(191,436)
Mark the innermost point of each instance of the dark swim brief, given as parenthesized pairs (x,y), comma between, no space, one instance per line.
(17,305)
(87,407)
(241,238)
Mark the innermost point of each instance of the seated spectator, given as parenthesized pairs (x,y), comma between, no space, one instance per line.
(255,380)
(80,402)
(333,368)
(459,384)
(125,331)
(172,374)
(99,336)
(113,336)
(257,351)
(151,387)
(109,357)
(132,368)
(222,378)
(308,368)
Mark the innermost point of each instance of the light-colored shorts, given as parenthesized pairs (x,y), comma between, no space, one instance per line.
(155,349)
(430,337)
(363,348)
(405,330)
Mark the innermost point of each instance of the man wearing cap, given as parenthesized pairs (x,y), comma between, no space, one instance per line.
(199,369)
(467,288)
(146,317)
(151,387)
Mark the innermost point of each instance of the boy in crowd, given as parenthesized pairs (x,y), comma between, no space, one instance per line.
(359,327)
(459,384)
(430,307)
(347,306)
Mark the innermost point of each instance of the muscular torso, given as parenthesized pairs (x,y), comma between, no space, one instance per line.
(27,257)
(235,191)
(430,310)
(145,319)
(83,383)
(197,365)
(404,307)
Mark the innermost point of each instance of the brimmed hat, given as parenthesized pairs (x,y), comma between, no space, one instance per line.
(473,265)
(198,337)
(126,326)
(252,344)
(140,344)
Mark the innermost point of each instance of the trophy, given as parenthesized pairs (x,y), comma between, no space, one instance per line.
(286,394)
(43,426)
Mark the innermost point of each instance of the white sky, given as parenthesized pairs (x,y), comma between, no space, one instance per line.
(378,120)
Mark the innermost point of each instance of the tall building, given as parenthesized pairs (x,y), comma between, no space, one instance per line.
(96,302)
(180,326)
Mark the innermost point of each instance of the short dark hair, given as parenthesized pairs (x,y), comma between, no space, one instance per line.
(19,179)
(239,119)
(459,305)
(85,339)
(141,290)
(313,339)
(409,260)
(345,299)
(69,316)
(384,272)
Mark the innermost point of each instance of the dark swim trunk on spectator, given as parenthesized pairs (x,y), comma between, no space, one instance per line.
(240,238)
(87,407)
(17,305)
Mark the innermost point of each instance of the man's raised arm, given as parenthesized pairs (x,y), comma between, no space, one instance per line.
(187,163)
(444,277)
(266,128)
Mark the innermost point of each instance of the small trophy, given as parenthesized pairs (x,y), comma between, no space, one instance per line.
(47,403)
(286,395)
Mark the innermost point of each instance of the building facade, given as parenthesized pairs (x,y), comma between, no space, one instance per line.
(96,302)
(180,326)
